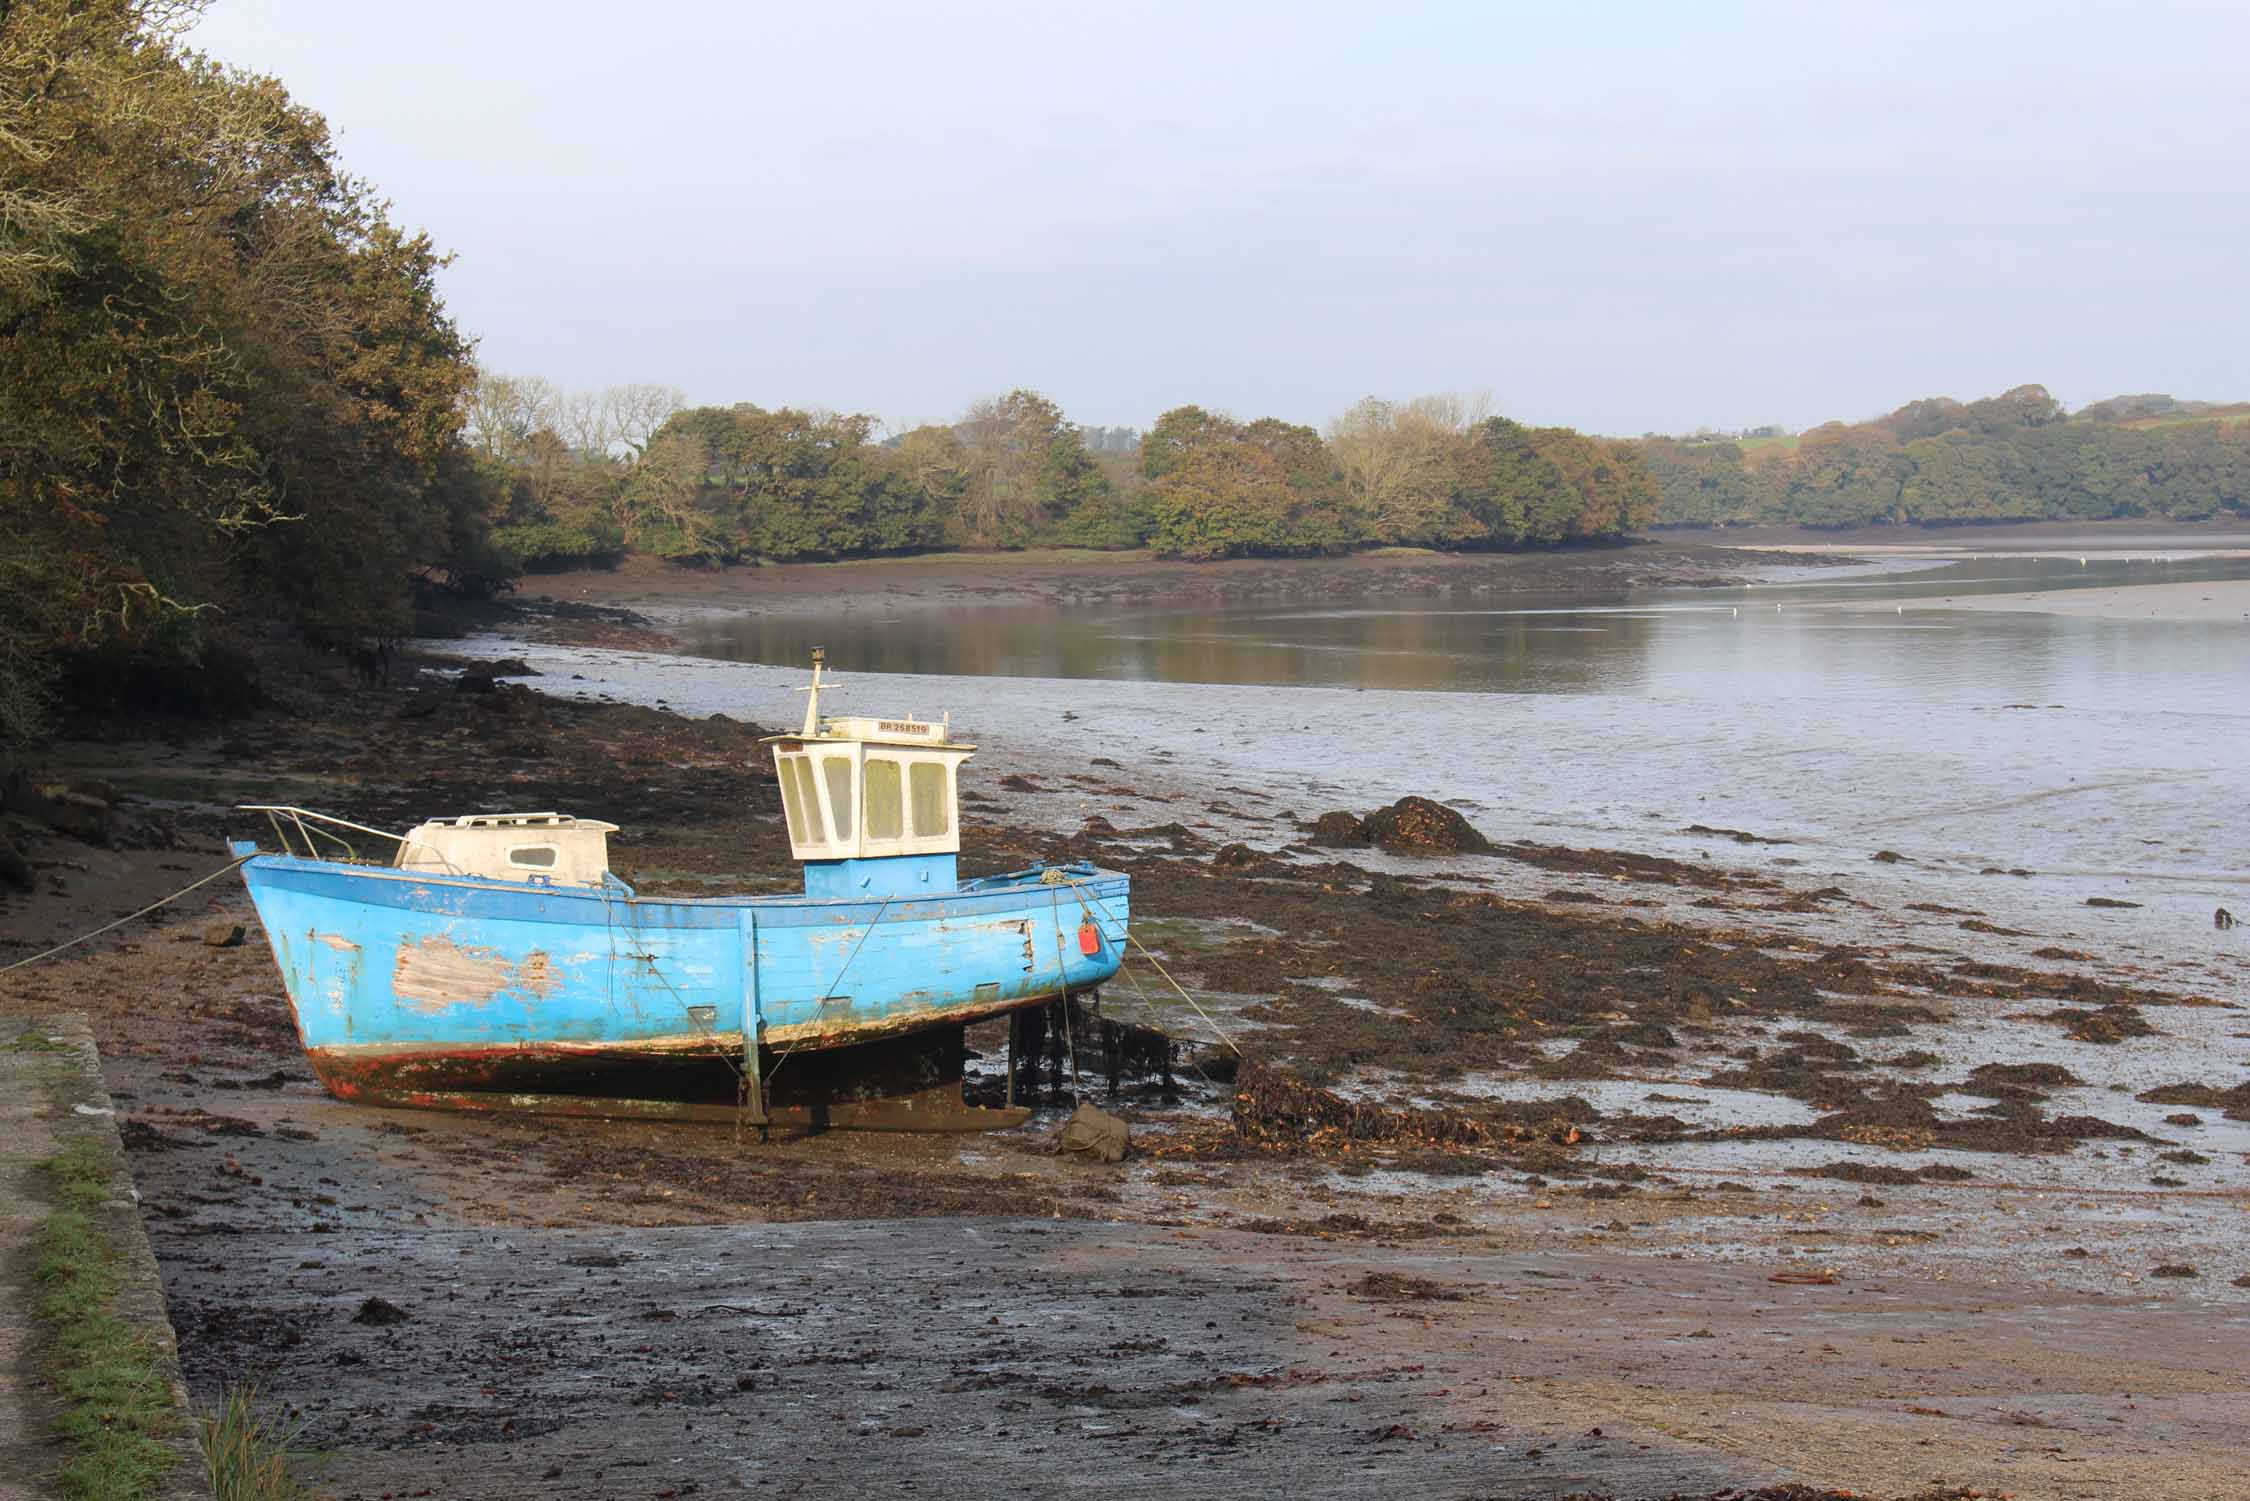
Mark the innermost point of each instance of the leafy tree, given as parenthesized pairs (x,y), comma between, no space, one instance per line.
(229,389)
(2014,456)
(1924,419)
(1398,464)
(1542,485)
(2024,406)
(934,468)
(1026,471)
(1703,482)
(1223,500)
(1179,433)
(1844,476)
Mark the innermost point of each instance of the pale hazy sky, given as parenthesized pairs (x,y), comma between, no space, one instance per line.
(1620,216)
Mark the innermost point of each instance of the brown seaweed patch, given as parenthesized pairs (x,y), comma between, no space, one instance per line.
(2028,1075)
(1271,1106)
(1880,1173)
(2105,1025)
(2235,1102)
(1401,1287)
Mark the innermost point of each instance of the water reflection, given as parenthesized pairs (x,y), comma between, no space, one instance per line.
(1750,643)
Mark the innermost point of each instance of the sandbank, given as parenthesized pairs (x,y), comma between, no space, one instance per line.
(2209,602)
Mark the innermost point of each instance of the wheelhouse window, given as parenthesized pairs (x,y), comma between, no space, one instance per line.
(933,813)
(799,802)
(886,811)
(838,771)
(866,799)
(539,856)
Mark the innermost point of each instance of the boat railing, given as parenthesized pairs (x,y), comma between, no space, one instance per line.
(316,831)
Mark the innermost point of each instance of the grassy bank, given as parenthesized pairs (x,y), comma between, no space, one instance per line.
(116,1401)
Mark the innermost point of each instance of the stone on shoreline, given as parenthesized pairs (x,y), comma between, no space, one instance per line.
(1418,824)
(15,870)
(1339,831)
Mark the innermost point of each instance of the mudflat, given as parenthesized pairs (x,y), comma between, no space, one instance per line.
(1082,577)
(2210,602)
(1692,1176)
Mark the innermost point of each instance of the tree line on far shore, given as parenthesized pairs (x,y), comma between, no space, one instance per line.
(2014,457)
(591,477)
(235,415)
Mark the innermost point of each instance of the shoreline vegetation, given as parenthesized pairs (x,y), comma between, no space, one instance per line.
(238,422)
(1665,559)
(114,1396)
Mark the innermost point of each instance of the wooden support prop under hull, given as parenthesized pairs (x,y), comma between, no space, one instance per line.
(936,1109)
(911,1083)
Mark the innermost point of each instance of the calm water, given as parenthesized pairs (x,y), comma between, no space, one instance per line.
(1724,645)
(2105,758)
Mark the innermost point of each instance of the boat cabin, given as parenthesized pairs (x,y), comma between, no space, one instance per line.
(871,803)
(551,847)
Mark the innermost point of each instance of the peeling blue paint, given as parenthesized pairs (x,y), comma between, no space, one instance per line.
(383,960)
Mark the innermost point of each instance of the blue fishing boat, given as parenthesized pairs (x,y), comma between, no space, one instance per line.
(494,961)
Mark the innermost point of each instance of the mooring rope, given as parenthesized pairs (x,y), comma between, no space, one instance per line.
(1135,942)
(128,917)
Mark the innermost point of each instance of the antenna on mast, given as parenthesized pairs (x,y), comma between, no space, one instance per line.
(812,692)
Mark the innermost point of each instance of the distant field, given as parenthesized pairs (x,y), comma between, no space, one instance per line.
(2182,420)
(1748,445)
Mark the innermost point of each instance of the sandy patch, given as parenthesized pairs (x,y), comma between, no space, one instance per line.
(2210,602)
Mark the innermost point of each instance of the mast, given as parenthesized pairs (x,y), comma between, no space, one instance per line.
(812,693)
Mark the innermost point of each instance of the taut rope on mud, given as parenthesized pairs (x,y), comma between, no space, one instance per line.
(161,901)
(1085,895)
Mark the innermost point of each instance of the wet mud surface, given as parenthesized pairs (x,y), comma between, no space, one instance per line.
(2011,1187)
(1094,579)
(1041,1357)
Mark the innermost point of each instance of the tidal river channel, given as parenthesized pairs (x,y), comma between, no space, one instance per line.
(2016,760)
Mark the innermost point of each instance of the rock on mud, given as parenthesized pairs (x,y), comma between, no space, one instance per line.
(15,870)
(380,1312)
(1419,824)
(1339,831)
(81,811)
(1093,1133)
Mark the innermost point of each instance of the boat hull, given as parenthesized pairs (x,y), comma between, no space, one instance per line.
(403,984)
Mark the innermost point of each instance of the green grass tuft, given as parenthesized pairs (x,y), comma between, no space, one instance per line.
(117,1404)
(247,1456)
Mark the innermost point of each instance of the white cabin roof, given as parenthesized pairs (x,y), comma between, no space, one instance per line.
(551,847)
(520,821)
